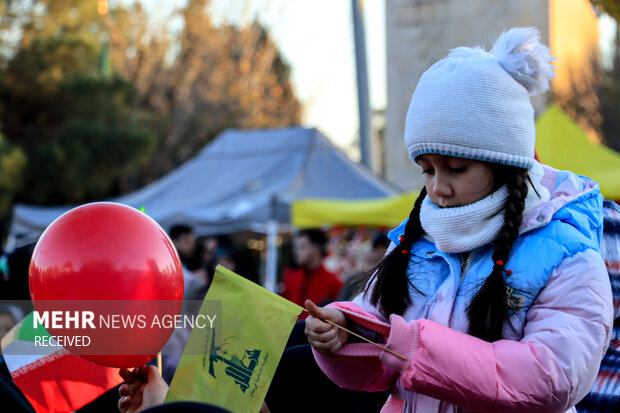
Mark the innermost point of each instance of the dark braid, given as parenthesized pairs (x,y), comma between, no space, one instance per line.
(391,291)
(488,311)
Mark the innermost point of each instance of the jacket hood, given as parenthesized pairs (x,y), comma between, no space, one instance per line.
(574,199)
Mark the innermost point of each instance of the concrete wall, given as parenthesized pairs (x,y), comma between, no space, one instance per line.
(420,32)
(574,40)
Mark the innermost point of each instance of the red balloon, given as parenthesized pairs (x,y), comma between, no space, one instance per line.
(108,251)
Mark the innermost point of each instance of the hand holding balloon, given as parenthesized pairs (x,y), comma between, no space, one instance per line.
(143,388)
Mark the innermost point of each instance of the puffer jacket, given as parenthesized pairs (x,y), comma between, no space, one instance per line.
(560,327)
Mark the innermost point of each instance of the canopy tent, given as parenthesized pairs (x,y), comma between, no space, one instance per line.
(243,180)
(236,183)
(379,212)
(560,143)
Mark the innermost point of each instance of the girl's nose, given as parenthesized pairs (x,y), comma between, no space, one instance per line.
(441,187)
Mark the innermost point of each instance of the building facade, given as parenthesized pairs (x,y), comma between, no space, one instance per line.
(421,32)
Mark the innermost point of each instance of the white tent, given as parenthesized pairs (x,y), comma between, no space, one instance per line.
(243,180)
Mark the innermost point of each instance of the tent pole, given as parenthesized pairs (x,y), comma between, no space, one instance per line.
(271,270)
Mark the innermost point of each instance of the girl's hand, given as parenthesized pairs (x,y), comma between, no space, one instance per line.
(143,388)
(324,337)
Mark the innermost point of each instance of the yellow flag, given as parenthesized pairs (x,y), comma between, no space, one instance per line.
(232,364)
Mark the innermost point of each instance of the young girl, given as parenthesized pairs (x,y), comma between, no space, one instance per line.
(494,292)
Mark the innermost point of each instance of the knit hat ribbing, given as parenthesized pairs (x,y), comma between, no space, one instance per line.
(476,104)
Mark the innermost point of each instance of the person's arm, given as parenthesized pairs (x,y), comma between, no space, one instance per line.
(566,334)
(352,365)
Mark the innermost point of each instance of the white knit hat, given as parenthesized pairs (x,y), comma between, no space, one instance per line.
(476,104)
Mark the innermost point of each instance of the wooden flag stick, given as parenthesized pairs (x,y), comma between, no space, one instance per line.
(159,366)
(362,338)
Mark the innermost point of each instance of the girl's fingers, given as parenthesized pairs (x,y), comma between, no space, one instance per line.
(325,313)
(313,309)
(327,336)
(318,346)
(327,347)
(333,344)
(337,344)
(317,325)
(330,335)
(321,313)
(321,337)
(314,328)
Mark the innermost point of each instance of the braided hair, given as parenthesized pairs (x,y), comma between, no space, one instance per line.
(489,309)
(391,290)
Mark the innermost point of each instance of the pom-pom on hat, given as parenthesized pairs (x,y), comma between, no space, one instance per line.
(476,104)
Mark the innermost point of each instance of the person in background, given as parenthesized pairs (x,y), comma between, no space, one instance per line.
(380,244)
(195,278)
(311,280)
(209,245)
(225,257)
(14,266)
(185,242)
(196,282)
(10,315)
(355,284)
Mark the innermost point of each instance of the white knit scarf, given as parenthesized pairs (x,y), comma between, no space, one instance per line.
(467,227)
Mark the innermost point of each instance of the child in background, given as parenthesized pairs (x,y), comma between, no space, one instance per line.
(310,280)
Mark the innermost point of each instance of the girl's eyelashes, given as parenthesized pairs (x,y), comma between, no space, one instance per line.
(452,170)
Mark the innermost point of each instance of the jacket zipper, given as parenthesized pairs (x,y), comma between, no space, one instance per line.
(466,263)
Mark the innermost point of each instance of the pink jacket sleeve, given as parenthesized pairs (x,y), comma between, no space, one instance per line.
(549,370)
(357,366)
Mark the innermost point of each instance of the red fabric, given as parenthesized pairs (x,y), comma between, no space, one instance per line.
(318,285)
(65,384)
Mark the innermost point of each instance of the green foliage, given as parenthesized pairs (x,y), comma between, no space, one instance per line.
(32,83)
(93,106)
(86,162)
(593,98)
(80,131)
(12,162)
(608,92)
(221,77)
